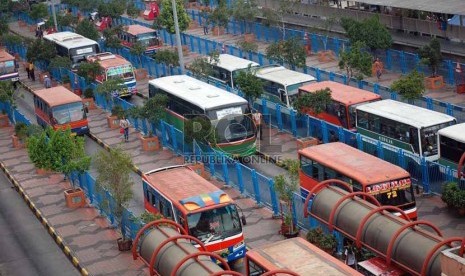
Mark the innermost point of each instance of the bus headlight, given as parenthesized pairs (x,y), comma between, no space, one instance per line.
(237,245)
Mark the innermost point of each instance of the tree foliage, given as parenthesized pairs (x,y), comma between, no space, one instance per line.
(315,101)
(247,47)
(153,109)
(431,55)
(249,84)
(87,29)
(275,17)
(411,86)
(83,5)
(167,18)
(66,20)
(41,50)
(200,129)
(138,49)
(287,185)
(113,8)
(110,88)
(4,29)
(356,62)
(38,11)
(290,51)
(89,70)
(11,39)
(114,168)
(132,11)
(167,57)
(60,62)
(7,96)
(111,38)
(370,31)
(201,66)
(244,11)
(220,15)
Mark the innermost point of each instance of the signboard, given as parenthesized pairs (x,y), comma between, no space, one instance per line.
(389,186)
(84,51)
(228,111)
(120,70)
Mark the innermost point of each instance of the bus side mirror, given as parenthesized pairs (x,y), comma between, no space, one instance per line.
(243,220)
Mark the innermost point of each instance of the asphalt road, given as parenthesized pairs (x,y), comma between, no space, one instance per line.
(26,246)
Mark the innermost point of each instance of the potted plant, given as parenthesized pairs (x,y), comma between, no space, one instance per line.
(4,120)
(454,197)
(114,168)
(7,96)
(410,87)
(244,11)
(290,51)
(38,150)
(285,187)
(117,113)
(65,80)
(167,57)
(19,138)
(88,99)
(431,55)
(314,235)
(459,202)
(219,17)
(328,243)
(247,46)
(327,55)
(201,66)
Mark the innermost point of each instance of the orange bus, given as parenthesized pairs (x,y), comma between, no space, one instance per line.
(205,211)
(138,33)
(296,255)
(345,99)
(60,108)
(388,183)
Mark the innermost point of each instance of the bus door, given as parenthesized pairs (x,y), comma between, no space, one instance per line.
(283,96)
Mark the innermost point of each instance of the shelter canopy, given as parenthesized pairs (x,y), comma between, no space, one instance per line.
(444,6)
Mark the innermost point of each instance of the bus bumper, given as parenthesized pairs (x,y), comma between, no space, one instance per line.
(81,130)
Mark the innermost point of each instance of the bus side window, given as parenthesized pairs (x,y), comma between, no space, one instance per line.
(329,173)
(317,171)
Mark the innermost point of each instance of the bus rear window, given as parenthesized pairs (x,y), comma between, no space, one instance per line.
(68,113)
(7,67)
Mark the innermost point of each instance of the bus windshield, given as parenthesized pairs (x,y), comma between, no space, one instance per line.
(68,113)
(231,124)
(148,40)
(386,194)
(124,72)
(7,67)
(215,224)
(428,138)
(451,149)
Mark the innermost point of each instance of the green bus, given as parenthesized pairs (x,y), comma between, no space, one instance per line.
(451,141)
(402,125)
(229,114)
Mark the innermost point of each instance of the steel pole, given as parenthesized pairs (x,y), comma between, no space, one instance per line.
(54,15)
(178,37)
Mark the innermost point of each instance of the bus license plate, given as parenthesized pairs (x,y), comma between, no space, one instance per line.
(15,79)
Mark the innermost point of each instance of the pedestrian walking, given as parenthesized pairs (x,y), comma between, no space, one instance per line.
(31,71)
(205,28)
(47,82)
(257,119)
(124,128)
(28,71)
(349,254)
(378,68)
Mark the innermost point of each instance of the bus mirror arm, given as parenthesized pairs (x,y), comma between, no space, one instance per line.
(243,220)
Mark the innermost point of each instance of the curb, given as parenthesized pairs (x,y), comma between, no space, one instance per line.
(57,238)
(268,158)
(107,147)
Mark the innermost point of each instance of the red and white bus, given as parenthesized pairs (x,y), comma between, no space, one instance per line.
(60,108)
(205,211)
(138,33)
(8,68)
(388,183)
(345,100)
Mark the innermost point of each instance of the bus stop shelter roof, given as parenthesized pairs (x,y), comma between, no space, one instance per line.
(444,6)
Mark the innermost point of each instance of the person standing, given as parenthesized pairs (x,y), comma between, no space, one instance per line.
(257,119)
(31,71)
(47,82)
(28,71)
(349,253)
(205,27)
(124,125)
(378,68)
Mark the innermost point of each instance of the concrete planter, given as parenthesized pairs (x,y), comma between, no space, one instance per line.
(141,74)
(17,143)
(249,38)
(434,83)
(4,120)
(218,31)
(113,122)
(306,142)
(326,56)
(89,103)
(75,198)
(149,143)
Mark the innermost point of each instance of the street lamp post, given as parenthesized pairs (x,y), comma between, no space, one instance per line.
(178,36)
(54,15)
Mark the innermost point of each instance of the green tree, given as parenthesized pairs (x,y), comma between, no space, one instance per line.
(114,168)
(370,31)
(38,11)
(316,101)
(110,88)
(60,62)
(11,39)
(65,20)
(220,15)
(290,51)
(4,29)
(153,109)
(249,84)
(41,50)
(83,5)
(328,25)
(111,37)
(275,17)
(286,186)
(431,55)
(89,70)
(166,16)
(201,66)
(7,96)
(87,29)
(411,86)
(247,47)
(113,8)
(138,49)
(132,11)
(356,62)
(245,11)
(167,57)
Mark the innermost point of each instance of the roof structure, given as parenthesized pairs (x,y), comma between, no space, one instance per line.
(444,6)
(456,132)
(199,93)
(138,29)
(5,56)
(342,93)
(406,113)
(282,75)
(232,63)
(70,40)
(360,166)
(56,96)
(108,60)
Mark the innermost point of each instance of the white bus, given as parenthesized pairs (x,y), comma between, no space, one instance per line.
(228,67)
(228,114)
(281,85)
(403,125)
(74,46)
(451,141)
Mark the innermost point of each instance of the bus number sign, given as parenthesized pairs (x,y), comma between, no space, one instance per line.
(389,186)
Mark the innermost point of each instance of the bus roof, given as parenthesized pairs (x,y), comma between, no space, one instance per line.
(282,75)
(355,164)
(197,92)
(70,40)
(138,29)
(108,60)
(406,113)
(232,63)
(342,93)
(186,187)
(56,96)
(5,56)
(299,256)
(456,132)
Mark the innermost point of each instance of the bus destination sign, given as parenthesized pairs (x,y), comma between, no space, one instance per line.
(389,186)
